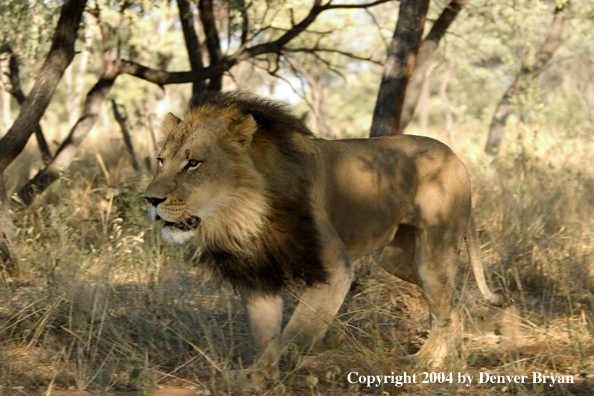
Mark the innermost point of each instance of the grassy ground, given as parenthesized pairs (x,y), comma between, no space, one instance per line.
(101,305)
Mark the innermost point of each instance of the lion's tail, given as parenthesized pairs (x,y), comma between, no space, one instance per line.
(474,253)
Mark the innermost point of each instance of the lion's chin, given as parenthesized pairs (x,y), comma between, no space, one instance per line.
(173,235)
(180,232)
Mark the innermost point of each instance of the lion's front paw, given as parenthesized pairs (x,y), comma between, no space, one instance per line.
(431,355)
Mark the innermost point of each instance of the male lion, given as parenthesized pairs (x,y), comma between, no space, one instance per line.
(271,203)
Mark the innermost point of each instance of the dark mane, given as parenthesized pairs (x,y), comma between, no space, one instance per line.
(273,265)
(272,117)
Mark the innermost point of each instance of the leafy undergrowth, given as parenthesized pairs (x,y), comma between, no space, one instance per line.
(102,306)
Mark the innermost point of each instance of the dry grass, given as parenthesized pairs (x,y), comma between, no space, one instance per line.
(102,306)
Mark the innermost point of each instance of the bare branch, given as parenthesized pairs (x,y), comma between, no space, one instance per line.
(332,67)
(378,27)
(279,43)
(274,74)
(354,6)
(331,50)
(161,77)
(245,52)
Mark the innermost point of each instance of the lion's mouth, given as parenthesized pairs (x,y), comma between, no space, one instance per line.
(184,225)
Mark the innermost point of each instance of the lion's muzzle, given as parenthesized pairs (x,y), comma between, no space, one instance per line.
(182,224)
(155,201)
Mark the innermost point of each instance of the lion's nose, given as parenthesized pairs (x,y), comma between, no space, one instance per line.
(155,201)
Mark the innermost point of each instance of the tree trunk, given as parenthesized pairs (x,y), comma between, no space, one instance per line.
(147,119)
(313,75)
(186,16)
(6,118)
(79,80)
(213,44)
(424,57)
(127,139)
(4,95)
(443,93)
(425,97)
(59,57)
(8,260)
(583,99)
(66,152)
(504,109)
(17,92)
(12,144)
(398,67)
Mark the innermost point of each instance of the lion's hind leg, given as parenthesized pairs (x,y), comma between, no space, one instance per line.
(437,252)
(398,257)
(424,259)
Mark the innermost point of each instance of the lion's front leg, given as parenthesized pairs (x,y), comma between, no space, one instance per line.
(319,304)
(265,313)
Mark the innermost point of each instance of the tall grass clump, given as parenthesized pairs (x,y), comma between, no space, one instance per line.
(535,209)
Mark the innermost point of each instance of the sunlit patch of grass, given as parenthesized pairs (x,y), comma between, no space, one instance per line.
(102,304)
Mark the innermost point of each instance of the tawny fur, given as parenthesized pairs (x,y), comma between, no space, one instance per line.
(276,204)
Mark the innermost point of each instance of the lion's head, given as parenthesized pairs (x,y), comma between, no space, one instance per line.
(230,178)
(206,185)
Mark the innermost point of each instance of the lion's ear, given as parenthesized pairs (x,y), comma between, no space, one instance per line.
(168,124)
(243,130)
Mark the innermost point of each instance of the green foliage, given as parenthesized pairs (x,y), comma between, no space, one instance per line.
(30,25)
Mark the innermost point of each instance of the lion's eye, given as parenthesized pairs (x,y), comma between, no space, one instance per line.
(160,162)
(193,164)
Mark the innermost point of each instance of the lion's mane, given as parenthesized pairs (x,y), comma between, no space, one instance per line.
(287,248)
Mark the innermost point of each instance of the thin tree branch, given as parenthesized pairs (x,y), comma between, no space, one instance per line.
(333,51)
(378,27)
(278,44)
(161,77)
(354,6)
